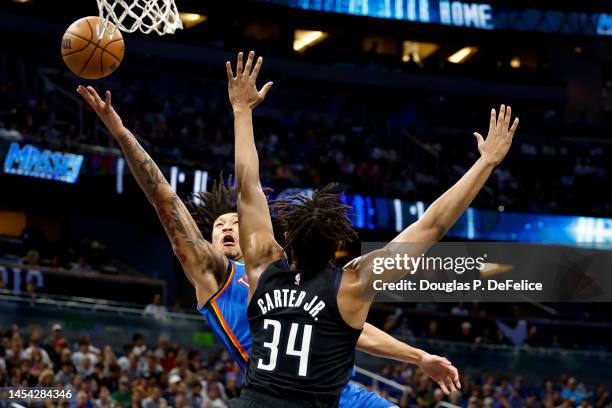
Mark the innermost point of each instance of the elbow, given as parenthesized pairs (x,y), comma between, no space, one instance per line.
(431,231)
(437,232)
(366,345)
(182,256)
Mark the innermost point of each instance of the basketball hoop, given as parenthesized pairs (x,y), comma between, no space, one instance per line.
(160,16)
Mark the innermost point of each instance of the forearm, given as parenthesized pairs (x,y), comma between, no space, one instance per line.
(187,242)
(378,343)
(148,176)
(445,211)
(246,160)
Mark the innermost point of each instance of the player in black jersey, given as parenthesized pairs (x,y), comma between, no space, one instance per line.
(305,319)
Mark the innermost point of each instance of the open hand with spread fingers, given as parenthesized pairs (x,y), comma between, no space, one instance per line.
(440,370)
(242,87)
(103,108)
(494,148)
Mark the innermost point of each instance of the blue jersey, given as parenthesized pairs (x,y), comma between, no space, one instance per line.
(226,314)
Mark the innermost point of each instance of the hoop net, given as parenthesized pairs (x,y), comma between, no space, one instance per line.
(147,16)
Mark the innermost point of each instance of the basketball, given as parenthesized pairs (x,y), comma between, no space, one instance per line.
(89,56)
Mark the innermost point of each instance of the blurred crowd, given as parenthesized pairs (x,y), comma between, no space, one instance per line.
(493,324)
(162,375)
(148,375)
(373,141)
(35,249)
(493,391)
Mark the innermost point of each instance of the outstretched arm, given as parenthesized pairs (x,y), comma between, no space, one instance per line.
(445,211)
(203,265)
(378,343)
(256,235)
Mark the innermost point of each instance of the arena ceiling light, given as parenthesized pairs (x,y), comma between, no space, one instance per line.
(304,39)
(22,1)
(192,19)
(417,51)
(515,62)
(462,55)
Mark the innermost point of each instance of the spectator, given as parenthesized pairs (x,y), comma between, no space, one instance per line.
(404,330)
(214,399)
(83,353)
(231,386)
(82,401)
(108,357)
(432,330)
(30,291)
(195,396)
(460,310)
(55,354)
(466,335)
(37,365)
(156,309)
(155,400)
(174,382)
(56,335)
(46,378)
(139,344)
(80,266)
(572,391)
(86,368)
(162,346)
(124,361)
(104,399)
(99,376)
(32,258)
(136,399)
(438,397)
(132,371)
(152,366)
(66,355)
(169,361)
(123,396)
(34,347)
(533,338)
(66,374)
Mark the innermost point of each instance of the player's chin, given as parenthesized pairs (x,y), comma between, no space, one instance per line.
(231,252)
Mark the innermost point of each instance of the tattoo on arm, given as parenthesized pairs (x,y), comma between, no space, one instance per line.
(186,238)
(193,237)
(146,172)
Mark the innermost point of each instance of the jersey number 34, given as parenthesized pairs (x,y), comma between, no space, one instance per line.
(276,328)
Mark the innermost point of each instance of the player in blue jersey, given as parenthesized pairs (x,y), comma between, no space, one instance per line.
(210,255)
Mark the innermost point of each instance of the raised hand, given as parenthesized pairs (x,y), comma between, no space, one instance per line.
(442,372)
(499,138)
(104,109)
(242,88)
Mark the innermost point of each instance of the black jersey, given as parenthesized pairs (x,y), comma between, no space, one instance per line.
(302,350)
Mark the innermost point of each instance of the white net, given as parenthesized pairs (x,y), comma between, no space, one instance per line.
(147,16)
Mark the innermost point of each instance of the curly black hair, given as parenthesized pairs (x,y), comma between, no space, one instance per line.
(222,199)
(315,226)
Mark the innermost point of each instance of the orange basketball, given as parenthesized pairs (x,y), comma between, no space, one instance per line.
(87,55)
